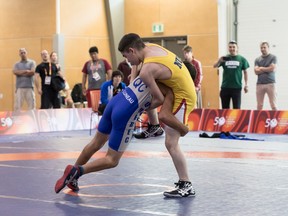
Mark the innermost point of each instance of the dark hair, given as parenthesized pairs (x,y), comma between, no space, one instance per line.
(52,53)
(117,73)
(93,49)
(130,40)
(187,48)
(232,42)
(264,42)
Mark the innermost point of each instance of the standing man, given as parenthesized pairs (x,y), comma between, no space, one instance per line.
(233,65)
(44,74)
(24,71)
(188,56)
(265,67)
(97,70)
(165,67)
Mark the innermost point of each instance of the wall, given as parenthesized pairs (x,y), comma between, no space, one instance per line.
(22,25)
(32,24)
(264,24)
(197,19)
(82,24)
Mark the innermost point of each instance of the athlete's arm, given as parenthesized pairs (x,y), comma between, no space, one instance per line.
(147,75)
(134,72)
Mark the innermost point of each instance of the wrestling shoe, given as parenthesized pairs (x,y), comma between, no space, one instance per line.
(73,185)
(183,189)
(152,131)
(70,173)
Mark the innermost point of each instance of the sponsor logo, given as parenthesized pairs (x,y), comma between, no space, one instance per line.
(6,122)
(178,62)
(271,123)
(219,121)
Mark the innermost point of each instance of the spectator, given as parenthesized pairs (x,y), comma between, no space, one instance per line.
(191,68)
(45,72)
(66,98)
(24,71)
(188,55)
(97,70)
(265,67)
(233,65)
(54,59)
(110,88)
(125,67)
(65,94)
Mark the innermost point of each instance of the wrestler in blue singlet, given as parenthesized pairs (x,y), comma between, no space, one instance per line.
(121,113)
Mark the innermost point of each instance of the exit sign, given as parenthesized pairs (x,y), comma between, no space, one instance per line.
(157,28)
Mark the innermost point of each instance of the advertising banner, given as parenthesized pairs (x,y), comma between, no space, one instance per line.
(18,122)
(194,120)
(272,122)
(225,120)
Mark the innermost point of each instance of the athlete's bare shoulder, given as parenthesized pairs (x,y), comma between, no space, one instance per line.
(154,51)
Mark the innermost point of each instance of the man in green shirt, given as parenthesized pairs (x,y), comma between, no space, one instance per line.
(233,65)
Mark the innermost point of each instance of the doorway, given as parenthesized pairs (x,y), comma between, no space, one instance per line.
(174,44)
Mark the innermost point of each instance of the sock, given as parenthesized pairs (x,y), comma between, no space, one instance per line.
(81,171)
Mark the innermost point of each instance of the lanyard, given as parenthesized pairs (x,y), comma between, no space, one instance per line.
(50,69)
(92,66)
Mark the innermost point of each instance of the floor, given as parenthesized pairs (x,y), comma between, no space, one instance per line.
(231,177)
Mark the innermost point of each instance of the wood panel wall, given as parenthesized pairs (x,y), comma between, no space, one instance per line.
(195,18)
(32,24)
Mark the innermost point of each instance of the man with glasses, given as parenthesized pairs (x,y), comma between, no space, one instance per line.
(24,71)
(233,64)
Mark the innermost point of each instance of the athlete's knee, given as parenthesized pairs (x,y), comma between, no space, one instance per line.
(163,116)
(112,161)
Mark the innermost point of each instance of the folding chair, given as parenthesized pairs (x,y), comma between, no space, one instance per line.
(95,98)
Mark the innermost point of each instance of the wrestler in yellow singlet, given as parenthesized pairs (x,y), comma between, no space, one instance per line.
(180,82)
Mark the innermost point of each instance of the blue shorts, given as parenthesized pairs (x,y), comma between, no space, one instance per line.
(119,118)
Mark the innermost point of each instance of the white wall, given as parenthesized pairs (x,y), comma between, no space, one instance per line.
(117,18)
(264,20)
(258,20)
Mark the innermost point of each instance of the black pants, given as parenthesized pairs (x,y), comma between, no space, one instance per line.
(50,98)
(226,94)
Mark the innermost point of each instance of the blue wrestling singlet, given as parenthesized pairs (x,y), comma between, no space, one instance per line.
(121,113)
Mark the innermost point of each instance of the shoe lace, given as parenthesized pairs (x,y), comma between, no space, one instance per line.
(153,128)
(146,133)
(74,182)
(177,185)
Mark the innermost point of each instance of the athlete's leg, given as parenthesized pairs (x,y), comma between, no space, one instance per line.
(153,117)
(171,142)
(184,186)
(166,116)
(110,160)
(93,146)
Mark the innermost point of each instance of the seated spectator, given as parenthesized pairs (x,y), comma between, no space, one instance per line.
(111,88)
(66,98)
